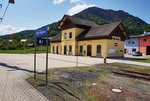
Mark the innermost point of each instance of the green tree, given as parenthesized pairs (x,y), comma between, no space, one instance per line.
(15,37)
(20,45)
(29,41)
(4,45)
(11,46)
(1,39)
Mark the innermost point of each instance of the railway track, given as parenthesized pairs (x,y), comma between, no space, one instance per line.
(132,74)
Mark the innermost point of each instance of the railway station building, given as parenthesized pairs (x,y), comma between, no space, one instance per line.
(86,38)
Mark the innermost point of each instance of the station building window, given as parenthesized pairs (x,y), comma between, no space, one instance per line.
(81,48)
(70,48)
(65,35)
(98,48)
(115,38)
(70,35)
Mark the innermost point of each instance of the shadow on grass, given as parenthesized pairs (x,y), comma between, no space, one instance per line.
(16,68)
(59,86)
(56,87)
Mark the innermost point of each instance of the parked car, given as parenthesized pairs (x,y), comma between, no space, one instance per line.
(137,54)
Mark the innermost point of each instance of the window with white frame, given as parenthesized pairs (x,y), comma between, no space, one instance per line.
(65,35)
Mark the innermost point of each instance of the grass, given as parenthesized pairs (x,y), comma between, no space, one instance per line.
(142,60)
(61,83)
(26,51)
(76,69)
(131,67)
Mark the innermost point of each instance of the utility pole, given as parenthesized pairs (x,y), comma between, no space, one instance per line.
(47,59)
(77,54)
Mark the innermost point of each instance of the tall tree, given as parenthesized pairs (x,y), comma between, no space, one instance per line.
(15,37)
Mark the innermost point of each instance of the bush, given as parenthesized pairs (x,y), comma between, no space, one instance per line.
(20,45)
(6,45)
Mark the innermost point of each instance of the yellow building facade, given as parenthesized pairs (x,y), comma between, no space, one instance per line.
(85,38)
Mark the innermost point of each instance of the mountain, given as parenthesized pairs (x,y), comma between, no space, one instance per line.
(24,34)
(133,25)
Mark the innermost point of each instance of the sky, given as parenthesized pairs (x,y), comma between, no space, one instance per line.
(32,14)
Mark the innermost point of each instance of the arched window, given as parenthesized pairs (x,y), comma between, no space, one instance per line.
(70,35)
(65,49)
(57,50)
(89,50)
(70,48)
(81,49)
(98,48)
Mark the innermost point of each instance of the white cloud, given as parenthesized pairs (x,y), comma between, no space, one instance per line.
(78,8)
(9,29)
(58,1)
(73,1)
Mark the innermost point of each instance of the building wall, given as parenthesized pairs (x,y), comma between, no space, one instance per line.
(115,48)
(69,41)
(144,44)
(55,48)
(111,47)
(130,46)
(94,43)
(107,46)
(139,44)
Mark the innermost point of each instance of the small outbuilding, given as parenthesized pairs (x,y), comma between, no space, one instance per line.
(23,40)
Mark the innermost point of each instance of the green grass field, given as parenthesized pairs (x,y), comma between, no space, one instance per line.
(142,60)
(26,51)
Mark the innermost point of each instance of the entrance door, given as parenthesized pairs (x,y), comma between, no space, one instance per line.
(65,50)
(89,50)
(148,50)
(57,49)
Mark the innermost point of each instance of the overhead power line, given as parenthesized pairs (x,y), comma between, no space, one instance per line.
(5,11)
